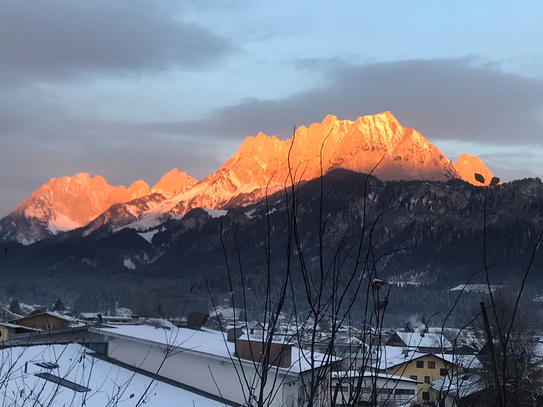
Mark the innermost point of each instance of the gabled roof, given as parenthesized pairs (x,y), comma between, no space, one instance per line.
(7,313)
(390,358)
(423,340)
(15,326)
(461,385)
(253,324)
(49,313)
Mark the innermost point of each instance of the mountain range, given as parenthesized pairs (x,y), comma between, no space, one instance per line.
(385,202)
(263,165)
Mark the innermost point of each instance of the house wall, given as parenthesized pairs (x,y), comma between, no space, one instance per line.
(388,390)
(205,372)
(5,331)
(410,369)
(43,321)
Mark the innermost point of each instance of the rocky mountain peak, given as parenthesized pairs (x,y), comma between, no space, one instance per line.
(173,182)
(139,188)
(70,202)
(469,165)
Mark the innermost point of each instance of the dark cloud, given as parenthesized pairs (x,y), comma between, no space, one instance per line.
(443,99)
(60,38)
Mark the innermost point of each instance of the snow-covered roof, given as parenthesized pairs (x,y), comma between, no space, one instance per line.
(53,314)
(15,326)
(109,384)
(6,311)
(460,385)
(390,356)
(205,341)
(424,340)
(466,361)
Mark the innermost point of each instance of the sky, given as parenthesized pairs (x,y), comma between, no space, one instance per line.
(129,89)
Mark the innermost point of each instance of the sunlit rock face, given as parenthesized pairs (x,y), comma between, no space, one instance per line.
(77,200)
(64,204)
(377,144)
(173,182)
(263,165)
(469,165)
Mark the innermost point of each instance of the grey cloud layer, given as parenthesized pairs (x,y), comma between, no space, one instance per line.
(59,38)
(442,99)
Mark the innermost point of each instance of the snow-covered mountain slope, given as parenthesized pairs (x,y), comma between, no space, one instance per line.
(262,165)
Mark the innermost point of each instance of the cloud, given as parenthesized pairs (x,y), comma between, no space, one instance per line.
(444,99)
(57,39)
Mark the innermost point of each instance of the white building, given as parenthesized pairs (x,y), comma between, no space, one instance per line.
(204,361)
(383,388)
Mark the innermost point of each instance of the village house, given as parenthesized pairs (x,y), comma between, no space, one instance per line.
(7,330)
(422,367)
(45,321)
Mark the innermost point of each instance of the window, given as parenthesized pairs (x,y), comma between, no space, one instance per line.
(420,364)
(431,364)
(443,372)
(426,395)
(426,379)
(413,377)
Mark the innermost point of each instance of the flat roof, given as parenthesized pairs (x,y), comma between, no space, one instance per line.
(79,371)
(205,341)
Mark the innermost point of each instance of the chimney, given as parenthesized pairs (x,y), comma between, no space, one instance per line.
(280,353)
(234,334)
(196,320)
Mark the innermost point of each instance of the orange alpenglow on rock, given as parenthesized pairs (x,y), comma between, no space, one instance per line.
(71,202)
(369,143)
(469,165)
(173,182)
(375,143)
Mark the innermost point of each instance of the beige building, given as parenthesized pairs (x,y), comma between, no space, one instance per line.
(44,321)
(7,330)
(424,368)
